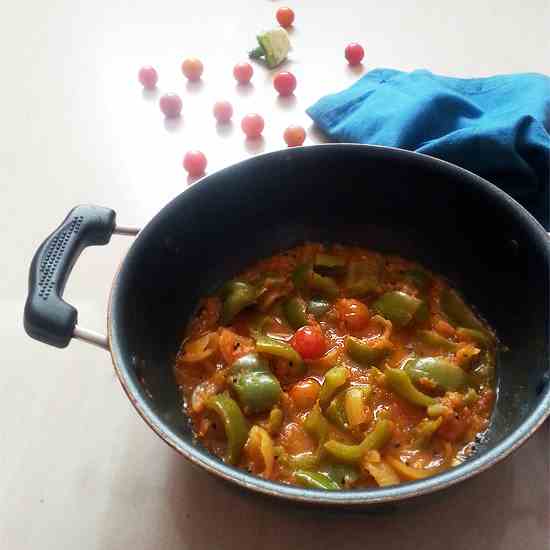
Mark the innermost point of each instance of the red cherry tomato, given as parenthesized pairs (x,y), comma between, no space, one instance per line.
(285,17)
(354,53)
(354,313)
(309,342)
(294,136)
(194,162)
(223,111)
(252,125)
(243,72)
(285,83)
(192,68)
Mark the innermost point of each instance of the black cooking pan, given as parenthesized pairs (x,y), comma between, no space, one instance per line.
(390,200)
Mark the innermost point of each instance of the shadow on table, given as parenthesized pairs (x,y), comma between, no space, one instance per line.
(499,509)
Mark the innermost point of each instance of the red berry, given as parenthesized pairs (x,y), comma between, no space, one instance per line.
(192,68)
(309,342)
(285,83)
(252,125)
(354,53)
(285,17)
(294,136)
(243,72)
(223,111)
(148,77)
(194,162)
(170,105)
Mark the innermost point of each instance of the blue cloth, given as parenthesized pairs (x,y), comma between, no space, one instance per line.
(497,127)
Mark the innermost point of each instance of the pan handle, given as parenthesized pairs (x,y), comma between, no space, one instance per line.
(48,318)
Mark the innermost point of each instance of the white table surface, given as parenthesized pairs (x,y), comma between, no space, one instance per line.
(78,467)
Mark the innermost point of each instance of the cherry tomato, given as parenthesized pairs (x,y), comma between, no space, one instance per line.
(243,72)
(294,136)
(252,125)
(194,162)
(354,53)
(305,393)
(285,83)
(192,68)
(354,313)
(170,105)
(148,77)
(223,111)
(309,342)
(285,17)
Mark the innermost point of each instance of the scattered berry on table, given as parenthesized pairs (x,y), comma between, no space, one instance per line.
(294,136)
(195,163)
(285,83)
(285,17)
(354,53)
(170,105)
(243,72)
(148,77)
(223,111)
(252,125)
(192,68)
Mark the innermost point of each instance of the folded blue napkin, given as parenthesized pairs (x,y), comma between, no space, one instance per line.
(497,127)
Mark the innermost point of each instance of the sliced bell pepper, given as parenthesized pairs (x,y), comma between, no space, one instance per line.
(476,336)
(335,412)
(444,374)
(399,381)
(425,430)
(363,276)
(295,312)
(367,353)
(410,473)
(435,340)
(278,348)
(400,308)
(315,480)
(318,307)
(238,295)
(256,387)
(458,312)
(375,439)
(235,424)
(327,264)
(335,378)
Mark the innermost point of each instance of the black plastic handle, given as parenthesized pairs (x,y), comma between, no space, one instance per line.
(48,317)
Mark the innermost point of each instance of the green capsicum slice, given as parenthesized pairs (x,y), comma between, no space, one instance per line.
(335,378)
(363,276)
(336,413)
(324,285)
(278,348)
(444,374)
(400,308)
(315,480)
(458,312)
(237,296)
(327,264)
(235,424)
(318,307)
(256,387)
(434,340)
(366,353)
(478,337)
(399,381)
(374,440)
(295,312)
